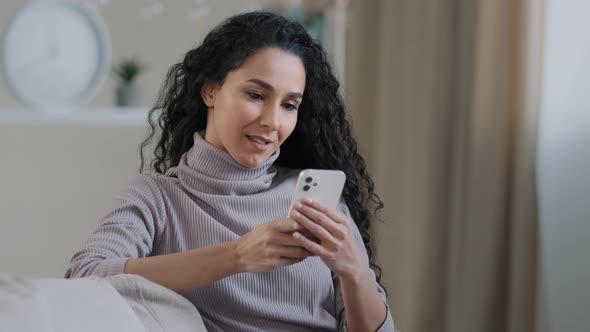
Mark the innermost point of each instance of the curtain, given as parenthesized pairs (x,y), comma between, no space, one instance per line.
(444,99)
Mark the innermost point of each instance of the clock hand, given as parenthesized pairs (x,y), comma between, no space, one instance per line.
(53,40)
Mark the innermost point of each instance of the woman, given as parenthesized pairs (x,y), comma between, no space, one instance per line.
(211,221)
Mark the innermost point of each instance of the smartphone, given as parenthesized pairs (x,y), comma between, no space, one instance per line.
(320,185)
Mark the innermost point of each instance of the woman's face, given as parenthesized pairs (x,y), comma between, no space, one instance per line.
(255,109)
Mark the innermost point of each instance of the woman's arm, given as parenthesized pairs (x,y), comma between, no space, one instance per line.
(124,241)
(130,230)
(364,308)
(187,270)
(265,248)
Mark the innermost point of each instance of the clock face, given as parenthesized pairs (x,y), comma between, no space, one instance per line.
(56,53)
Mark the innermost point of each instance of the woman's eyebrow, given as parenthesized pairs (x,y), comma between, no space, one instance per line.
(269,87)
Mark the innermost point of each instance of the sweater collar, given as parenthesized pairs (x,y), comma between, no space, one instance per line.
(207,169)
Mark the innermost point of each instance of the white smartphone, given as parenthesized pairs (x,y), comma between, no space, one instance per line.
(321,185)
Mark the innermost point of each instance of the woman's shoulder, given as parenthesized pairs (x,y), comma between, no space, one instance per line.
(146,179)
(154,179)
(146,185)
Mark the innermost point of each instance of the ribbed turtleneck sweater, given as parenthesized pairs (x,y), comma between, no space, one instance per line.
(210,198)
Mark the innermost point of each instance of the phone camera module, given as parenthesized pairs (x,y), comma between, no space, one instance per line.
(306,188)
(308,179)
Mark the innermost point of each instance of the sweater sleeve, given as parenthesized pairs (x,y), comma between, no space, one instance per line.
(387,324)
(129,230)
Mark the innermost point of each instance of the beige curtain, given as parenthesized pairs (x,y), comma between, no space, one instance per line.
(444,97)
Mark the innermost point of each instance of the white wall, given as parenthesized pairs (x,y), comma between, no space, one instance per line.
(564,170)
(160,41)
(57,181)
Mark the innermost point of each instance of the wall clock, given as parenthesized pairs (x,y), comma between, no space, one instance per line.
(56,54)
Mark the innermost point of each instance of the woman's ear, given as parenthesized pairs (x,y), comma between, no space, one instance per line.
(208,93)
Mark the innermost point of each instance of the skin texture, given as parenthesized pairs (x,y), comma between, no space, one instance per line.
(261,99)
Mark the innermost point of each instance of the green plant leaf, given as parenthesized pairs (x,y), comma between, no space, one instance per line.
(128,69)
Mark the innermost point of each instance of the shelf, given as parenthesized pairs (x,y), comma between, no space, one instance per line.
(83,117)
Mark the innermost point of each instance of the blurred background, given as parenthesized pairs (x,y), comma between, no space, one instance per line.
(472,114)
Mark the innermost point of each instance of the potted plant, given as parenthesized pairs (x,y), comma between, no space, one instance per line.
(128,93)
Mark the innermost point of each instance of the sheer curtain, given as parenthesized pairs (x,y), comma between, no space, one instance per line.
(444,99)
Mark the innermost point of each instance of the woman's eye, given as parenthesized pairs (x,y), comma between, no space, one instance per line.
(254,95)
(290,107)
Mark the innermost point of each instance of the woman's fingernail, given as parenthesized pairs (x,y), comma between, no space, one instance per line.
(294,214)
(308,200)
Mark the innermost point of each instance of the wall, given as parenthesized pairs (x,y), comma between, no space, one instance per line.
(564,170)
(56,180)
(54,189)
(159,41)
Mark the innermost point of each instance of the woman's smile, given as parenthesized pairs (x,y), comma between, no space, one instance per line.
(254,110)
(258,143)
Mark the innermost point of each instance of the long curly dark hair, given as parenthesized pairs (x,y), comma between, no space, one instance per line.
(322,137)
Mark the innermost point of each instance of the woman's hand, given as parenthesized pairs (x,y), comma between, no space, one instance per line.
(270,246)
(335,244)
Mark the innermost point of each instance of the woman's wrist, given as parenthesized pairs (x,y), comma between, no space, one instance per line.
(356,276)
(232,258)
(223,259)
(356,272)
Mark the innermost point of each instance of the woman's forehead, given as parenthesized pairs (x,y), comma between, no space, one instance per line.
(274,66)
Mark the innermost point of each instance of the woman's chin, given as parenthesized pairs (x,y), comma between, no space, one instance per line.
(251,161)
(249,158)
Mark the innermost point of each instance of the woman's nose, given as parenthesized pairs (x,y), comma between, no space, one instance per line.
(271,117)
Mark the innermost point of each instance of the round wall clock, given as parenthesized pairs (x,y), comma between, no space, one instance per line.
(56,54)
